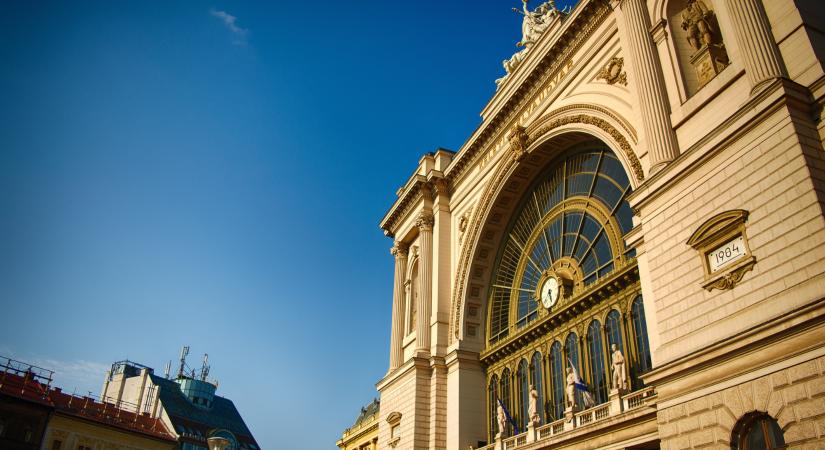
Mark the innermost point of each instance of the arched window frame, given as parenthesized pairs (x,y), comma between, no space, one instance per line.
(523,396)
(492,404)
(757,422)
(595,350)
(537,380)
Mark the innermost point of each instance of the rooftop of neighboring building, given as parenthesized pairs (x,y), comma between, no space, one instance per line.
(33,384)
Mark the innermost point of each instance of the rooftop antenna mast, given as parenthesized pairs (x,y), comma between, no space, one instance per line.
(168,369)
(183,352)
(205,367)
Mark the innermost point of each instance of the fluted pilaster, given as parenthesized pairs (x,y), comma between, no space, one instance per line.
(753,34)
(425,224)
(647,76)
(399,250)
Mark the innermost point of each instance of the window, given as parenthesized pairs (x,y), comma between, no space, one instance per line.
(504,391)
(613,330)
(643,363)
(538,382)
(757,431)
(492,402)
(597,373)
(571,223)
(524,394)
(557,371)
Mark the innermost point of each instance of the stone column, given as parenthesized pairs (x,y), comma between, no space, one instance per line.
(650,88)
(425,224)
(399,250)
(756,44)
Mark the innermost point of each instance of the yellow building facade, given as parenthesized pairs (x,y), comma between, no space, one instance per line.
(629,251)
(363,434)
(68,432)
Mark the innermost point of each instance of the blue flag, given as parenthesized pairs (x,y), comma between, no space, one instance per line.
(507,415)
(580,385)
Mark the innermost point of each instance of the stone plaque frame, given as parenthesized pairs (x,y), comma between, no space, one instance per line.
(715,233)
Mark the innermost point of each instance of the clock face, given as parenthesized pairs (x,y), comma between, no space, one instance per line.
(550,292)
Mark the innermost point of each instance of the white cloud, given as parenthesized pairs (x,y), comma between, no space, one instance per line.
(230,22)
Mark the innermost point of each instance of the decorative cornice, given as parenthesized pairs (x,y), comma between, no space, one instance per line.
(410,195)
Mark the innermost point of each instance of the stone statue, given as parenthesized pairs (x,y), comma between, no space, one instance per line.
(535,22)
(696,21)
(532,410)
(532,26)
(619,375)
(502,420)
(571,388)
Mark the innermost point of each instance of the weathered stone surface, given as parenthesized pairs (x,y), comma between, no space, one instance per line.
(803,371)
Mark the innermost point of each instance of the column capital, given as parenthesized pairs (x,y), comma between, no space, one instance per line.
(425,221)
(399,249)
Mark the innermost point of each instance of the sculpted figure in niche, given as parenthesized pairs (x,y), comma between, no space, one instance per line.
(532,409)
(696,21)
(571,388)
(502,420)
(619,377)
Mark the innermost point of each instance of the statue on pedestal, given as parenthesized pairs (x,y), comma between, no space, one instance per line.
(502,421)
(617,363)
(695,20)
(532,410)
(571,388)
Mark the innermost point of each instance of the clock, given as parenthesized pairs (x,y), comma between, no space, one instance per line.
(550,291)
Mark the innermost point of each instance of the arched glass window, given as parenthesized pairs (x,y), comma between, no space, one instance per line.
(504,391)
(614,331)
(492,401)
(597,377)
(757,431)
(571,348)
(572,218)
(523,380)
(538,383)
(557,370)
(637,313)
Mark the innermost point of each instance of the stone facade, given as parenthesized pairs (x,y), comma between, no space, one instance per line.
(742,143)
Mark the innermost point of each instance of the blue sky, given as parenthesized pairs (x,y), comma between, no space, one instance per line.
(213,174)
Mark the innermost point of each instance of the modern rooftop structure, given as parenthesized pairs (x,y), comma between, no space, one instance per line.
(186,403)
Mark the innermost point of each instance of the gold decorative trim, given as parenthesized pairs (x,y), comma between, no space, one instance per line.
(730,278)
(602,124)
(612,72)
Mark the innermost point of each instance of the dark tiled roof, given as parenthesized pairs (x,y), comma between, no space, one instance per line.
(26,388)
(181,411)
(367,412)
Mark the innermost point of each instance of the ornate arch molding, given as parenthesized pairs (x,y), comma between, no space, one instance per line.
(523,142)
(558,119)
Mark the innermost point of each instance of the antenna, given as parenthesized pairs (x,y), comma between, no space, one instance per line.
(205,367)
(168,369)
(183,352)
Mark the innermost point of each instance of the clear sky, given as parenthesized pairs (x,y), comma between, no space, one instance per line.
(213,174)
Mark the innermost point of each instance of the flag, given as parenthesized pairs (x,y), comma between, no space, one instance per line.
(582,387)
(507,415)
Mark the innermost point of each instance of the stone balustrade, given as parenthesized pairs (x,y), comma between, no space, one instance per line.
(614,408)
